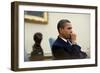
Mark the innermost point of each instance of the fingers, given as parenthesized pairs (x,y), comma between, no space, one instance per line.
(73,36)
(73,33)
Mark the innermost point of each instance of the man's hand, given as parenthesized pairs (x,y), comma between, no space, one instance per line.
(73,38)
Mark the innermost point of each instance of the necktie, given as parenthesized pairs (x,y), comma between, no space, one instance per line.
(68,42)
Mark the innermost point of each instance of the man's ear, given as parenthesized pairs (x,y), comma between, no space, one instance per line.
(60,30)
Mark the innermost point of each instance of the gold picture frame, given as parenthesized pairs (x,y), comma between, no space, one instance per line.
(36,17)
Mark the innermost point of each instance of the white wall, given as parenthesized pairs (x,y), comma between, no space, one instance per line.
(5,37)
(80,23)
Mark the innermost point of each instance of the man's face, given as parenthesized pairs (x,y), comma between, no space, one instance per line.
(66,31)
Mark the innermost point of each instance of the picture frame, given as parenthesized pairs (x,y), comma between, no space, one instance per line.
(36,17)
(18,35)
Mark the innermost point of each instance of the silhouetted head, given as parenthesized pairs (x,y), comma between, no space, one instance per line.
(37,37)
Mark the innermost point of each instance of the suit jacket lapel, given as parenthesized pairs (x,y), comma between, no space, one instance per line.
(63,43)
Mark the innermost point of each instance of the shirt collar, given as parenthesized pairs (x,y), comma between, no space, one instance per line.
(65,40)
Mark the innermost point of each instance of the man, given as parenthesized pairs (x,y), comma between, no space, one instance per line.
(65,46)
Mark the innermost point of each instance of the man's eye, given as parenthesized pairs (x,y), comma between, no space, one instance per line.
(69,28)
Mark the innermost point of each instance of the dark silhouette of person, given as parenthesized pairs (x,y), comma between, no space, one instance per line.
(65,46)
(37,52)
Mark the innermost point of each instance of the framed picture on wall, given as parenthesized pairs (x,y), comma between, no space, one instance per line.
(36,17)
(35,46)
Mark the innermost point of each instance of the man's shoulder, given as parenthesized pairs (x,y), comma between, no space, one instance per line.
(57,42)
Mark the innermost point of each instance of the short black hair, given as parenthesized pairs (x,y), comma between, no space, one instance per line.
(61,23)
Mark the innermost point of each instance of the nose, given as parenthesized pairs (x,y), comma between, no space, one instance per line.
(71,31)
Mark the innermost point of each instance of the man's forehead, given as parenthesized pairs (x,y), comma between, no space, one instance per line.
(68,24)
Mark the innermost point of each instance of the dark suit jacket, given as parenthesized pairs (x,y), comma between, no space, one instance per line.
(64,50)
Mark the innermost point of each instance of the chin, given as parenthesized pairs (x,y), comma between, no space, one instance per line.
(68,36)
